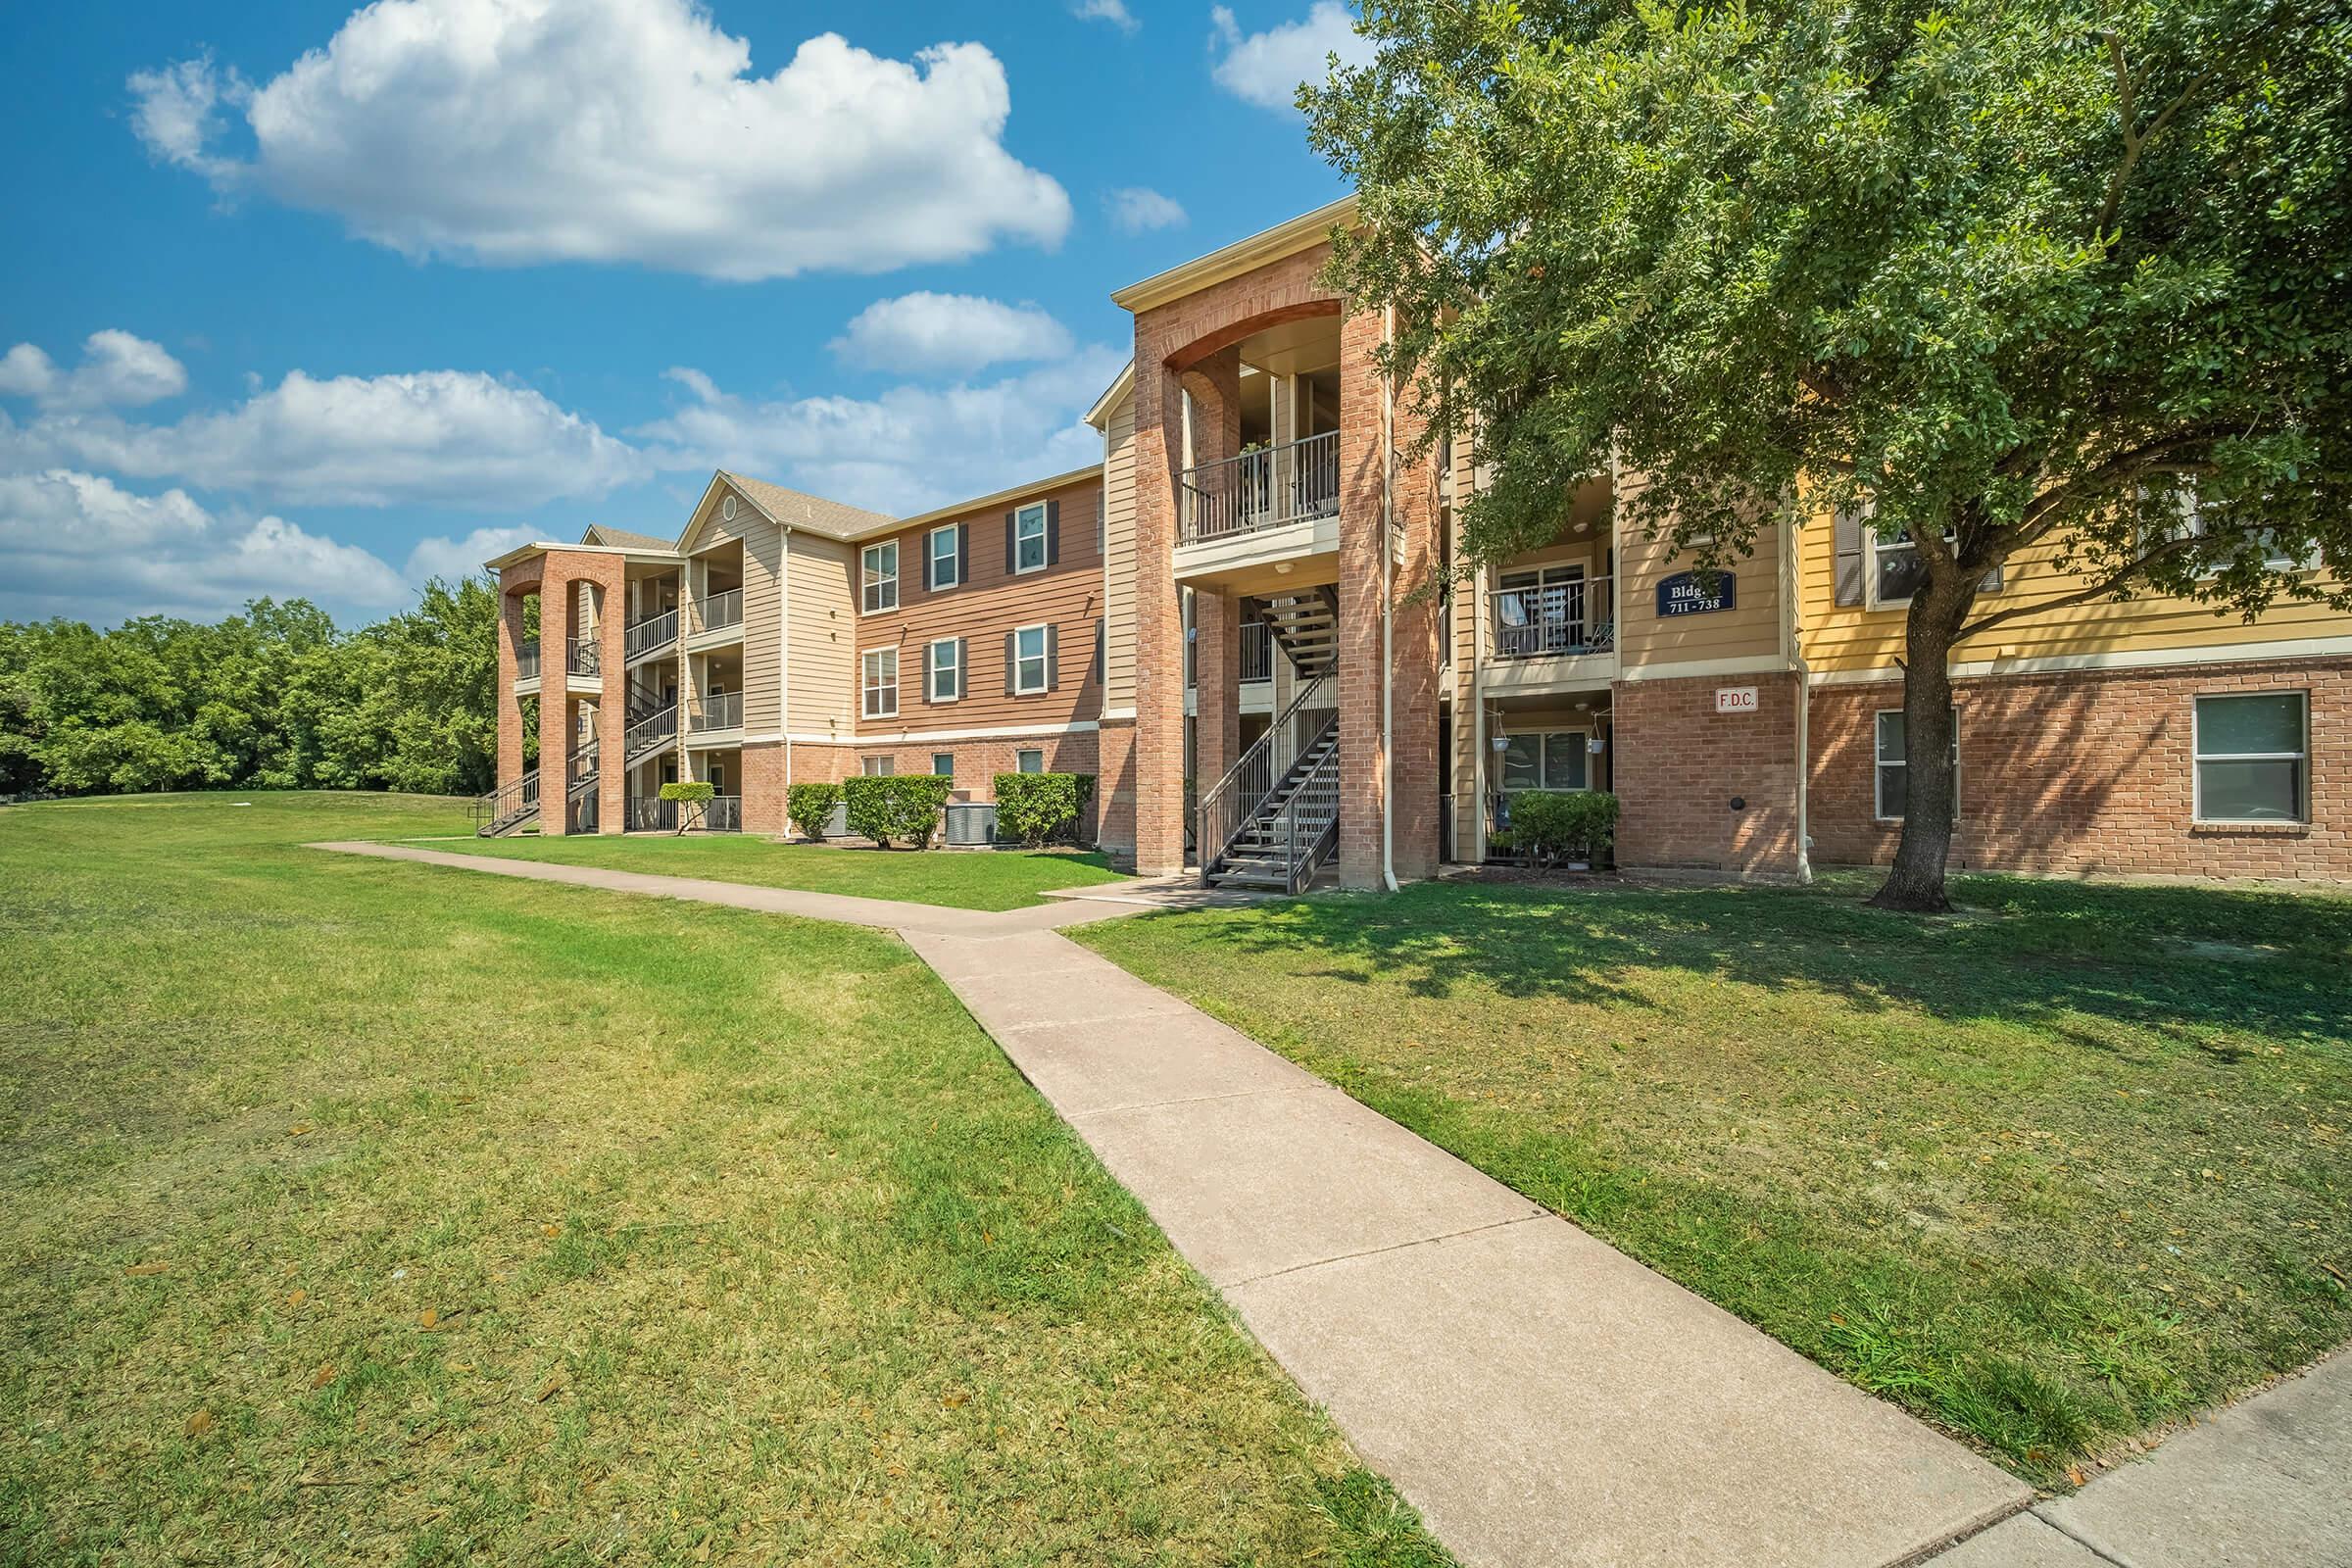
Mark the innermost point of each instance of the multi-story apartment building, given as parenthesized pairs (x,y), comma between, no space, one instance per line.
(1249,623)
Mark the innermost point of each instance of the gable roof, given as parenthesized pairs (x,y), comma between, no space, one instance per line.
(604,534)
(795,509)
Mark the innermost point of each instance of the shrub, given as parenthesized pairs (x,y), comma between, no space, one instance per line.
(698,791)
(1563,824)
(810,806)
(905,806)
(1035,808)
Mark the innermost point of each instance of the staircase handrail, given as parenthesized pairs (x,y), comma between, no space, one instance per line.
(1221,816)
(506,801)
(661,724)
(1320,787)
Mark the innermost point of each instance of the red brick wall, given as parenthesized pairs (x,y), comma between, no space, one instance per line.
(1114,789)
(2089,771)
(763,787)
(979,761)
(1678,766)
(516,583)
(561,570)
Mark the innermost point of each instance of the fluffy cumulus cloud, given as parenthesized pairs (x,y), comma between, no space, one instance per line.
(515,131)
(947,334)
(1139,209)
(77,544)
(1114,12)
(117,369)
(1267,67)
(452,558)
(908,450)
(438,437)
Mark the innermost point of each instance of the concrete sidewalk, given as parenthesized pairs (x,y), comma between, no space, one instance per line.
(1541,1399)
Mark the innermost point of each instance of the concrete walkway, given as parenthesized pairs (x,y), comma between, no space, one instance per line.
(1541,1399)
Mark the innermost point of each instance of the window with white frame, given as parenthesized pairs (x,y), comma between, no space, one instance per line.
(2192,526)
(1029,662)
(1548,760)
(881,682)
(881,574)
(1893,790)
(944,661)
(2253,757)
(1029,759)
(1896,571)
(944,555)
(1029,538)
(943,763)
(878,766)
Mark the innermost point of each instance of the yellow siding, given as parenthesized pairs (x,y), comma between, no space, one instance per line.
(1750,630)
(824,618)
(1854,637)
(1118,566)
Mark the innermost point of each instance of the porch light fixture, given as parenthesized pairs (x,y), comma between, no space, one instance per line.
(1282,568)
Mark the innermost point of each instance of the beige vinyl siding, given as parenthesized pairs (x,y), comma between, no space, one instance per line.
(1839,638)
(1119,567)
(1750,630)
(823,635)
(763,605)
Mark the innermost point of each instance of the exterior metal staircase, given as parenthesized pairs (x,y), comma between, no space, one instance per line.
(649,735)
(1308,625)
(1273,821)
(506,808)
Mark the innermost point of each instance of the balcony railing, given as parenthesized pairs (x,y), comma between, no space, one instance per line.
(1258,651)
(715,612)
(652,730)
(653,633)
(1569,617)
(723,813)
(526,661)
(1267,488)
(649,813)
(719,711)
(585,657)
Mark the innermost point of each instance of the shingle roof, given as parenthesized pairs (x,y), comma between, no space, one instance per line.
(812,513)
(603,534)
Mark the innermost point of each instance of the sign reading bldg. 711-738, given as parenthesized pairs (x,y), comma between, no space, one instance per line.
(1695,593)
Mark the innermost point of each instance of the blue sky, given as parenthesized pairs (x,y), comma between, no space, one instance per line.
(325,299)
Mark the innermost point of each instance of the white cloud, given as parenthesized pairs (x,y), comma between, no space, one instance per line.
(947,334)
(117,368)
(909,449)
(1137,208)
(514,131)
(452,558)
(450,437)
(76,544)
(1114,12)
(1267,67)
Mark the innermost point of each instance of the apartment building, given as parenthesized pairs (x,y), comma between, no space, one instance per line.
(1249,622)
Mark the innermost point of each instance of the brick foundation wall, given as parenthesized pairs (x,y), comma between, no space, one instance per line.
(1678,766)
(763,788)
(978,761)
(2090,772)
(1114,789)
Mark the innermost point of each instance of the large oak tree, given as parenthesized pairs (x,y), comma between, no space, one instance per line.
(2065,290)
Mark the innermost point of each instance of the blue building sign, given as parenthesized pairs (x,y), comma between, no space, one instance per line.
(1696,593)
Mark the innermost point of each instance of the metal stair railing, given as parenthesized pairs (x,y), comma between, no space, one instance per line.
(651,732)
(1234,801)
(1309,825)
(504,807)
(647,635)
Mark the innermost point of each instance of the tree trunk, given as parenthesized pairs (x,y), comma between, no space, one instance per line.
(1915,884)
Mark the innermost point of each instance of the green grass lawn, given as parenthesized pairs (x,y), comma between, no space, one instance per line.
(368,1212)
(963,879)
(2047,1173)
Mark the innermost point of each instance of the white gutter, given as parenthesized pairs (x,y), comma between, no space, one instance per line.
(784,664)
(1388,662)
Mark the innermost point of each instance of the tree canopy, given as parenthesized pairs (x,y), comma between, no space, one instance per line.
(2005,277)
(272,699)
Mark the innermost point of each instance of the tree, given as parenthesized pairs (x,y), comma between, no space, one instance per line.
(2018,283)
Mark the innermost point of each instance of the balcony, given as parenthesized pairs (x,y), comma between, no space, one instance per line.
(1257,651)
(1560,633)
(526,662)
(718,614)
(715,714)
(585,656)
(645,638)
(1245,514)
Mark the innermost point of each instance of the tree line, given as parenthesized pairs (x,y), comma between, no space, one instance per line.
(276,697)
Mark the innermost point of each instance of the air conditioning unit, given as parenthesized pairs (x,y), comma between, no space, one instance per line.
(971,825)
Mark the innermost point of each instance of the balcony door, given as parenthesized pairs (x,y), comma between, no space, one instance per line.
(1542,610)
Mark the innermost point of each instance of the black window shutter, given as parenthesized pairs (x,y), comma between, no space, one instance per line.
(1052,649)
(1102,633)
(1012,655)
(963,663)
(1845,541)
(1053,532)
(963,554)
(1012,541)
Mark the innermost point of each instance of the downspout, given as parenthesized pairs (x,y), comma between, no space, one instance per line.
(1388,667)
(784,665)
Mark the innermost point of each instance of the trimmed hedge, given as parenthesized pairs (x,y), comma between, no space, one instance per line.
(1563,824)
(904,805)
(810,808)
(1034,808)
(696,790)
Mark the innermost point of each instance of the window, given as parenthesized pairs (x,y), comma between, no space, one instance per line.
(1029,538)
(1029,666)
(1029,759)
(943,764)
(2253,758)
(1896,573)
(1552,760)
(881,573)
(1544,611)
(944,662)
(878,766)
(1894,765)
(2192,526)
(881,669)
(943,553)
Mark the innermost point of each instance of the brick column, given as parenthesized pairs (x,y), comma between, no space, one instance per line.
(557,602)
(1217,651)
(1361,481)
(1415,718)
(612,704)
(1158,609)
(511,606)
